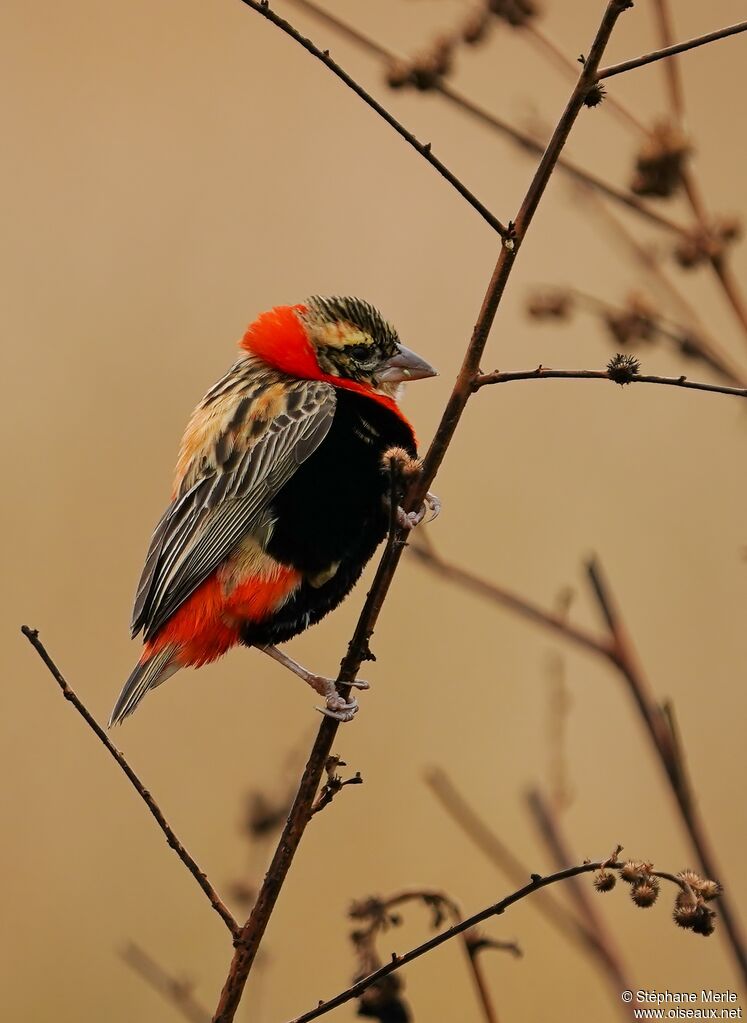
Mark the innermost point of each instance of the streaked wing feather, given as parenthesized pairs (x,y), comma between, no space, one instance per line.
(203,526)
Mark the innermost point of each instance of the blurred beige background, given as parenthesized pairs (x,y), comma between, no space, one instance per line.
(173,168)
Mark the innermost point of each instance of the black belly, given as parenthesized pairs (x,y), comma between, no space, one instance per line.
(332,510)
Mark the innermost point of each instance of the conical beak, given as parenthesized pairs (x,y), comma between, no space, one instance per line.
(404,365)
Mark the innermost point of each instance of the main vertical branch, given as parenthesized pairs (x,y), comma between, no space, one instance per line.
(249,939)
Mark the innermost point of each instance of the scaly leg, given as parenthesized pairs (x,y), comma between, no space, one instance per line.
(337,706)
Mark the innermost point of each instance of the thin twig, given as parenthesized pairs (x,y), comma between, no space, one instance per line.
(300,814)
(550,48)
(452,800)
(617,649)
(398,961)
(526,141)
(542,373)
(665,24)
(423,148)
(670,51)
(606,949)
(32,635)
(176,992)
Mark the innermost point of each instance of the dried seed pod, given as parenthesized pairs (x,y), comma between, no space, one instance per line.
(604,881)
(634,871)
(645,893)
(705,921)
(475,26)
(550,305)
(710,890)
(595,95)
(622,369)
(658,165)
(515,12)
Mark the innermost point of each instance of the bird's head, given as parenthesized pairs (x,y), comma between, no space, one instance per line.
(343,340)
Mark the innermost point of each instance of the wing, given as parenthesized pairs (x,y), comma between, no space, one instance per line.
(243,444)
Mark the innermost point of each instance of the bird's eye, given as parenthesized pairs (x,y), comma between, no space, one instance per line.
(361,353)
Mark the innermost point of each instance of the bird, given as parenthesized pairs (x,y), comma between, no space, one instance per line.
(282,493)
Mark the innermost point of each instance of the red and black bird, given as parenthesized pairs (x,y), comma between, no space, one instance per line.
(280,496)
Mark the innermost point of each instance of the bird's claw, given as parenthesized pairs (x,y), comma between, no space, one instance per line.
(339,708)
(409,520)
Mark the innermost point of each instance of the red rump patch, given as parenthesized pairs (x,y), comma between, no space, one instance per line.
(208,623)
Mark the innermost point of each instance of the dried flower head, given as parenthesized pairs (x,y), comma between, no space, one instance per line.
(706,243)
(476,25)
(634,871)
(658,165)
(623,369)
(684,915)
(710,890)
(516,13)
(425,70)
(604,881)
(634,322)
(704,922)
(689,877)
(645,893)
(383,1001)
(554,304)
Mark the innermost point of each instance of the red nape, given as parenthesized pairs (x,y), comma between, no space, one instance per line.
(279,339)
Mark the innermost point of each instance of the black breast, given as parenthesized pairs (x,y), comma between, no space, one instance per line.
(332,513)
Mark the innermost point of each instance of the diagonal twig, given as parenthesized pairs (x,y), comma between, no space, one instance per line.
(607,952)
(32,635)
(176,992)
(536,884)
(670,51)
(423,148)
(526,141)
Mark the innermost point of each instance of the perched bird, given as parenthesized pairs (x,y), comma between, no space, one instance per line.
(280,496)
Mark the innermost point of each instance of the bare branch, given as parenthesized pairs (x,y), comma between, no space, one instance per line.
(605,948)
(669,51)
(618,650)
(536,884)
(542,373)
(501,856)
(526,141)
(423,148)
(176,992)
(32,635)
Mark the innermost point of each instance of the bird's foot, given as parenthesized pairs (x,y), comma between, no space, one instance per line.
(337,706)
(409,520)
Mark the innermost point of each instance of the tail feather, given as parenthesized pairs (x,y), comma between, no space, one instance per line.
(148,673)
